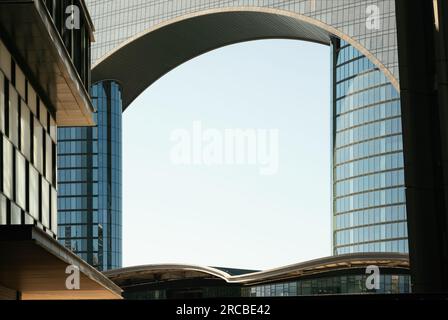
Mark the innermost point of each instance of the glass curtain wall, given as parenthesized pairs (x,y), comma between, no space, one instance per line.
(345,284)
(369,210)
(90,182)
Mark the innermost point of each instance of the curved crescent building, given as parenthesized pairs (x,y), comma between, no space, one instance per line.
(137,42)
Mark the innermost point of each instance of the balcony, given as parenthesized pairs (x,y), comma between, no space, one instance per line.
(55,59)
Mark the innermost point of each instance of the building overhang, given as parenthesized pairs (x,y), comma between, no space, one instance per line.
(35,265)
(41,51)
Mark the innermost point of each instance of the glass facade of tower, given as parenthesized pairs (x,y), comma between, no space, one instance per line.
(369,208)
(89,172)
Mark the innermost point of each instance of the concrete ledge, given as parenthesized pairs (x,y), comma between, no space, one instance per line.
(34,264)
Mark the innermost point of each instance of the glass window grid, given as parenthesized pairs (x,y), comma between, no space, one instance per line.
(369,165)
(370,199)
(377,232)
(345,284)
(398,246)
(354,67)
(368,190)
(368,114)
(16,149)
(375,147)
(369,182)
(84,188)
(370,217)
(360,82)
(369,131)
(373,96)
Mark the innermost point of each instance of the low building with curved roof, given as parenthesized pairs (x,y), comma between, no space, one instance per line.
(343,274)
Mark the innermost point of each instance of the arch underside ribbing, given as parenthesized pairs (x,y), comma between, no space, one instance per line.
(143,59)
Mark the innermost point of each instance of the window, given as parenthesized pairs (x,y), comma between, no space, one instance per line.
(53,129)
(2,103)
(45,203)
(20,82)
(43,115)
(20,180)
(32,99)
(5,60)
(28,220)
(16,214)
(34,192)
(2,210)
(25,130)
(13,116)
(54,210)
(38,146)
(7,168)
(49,158)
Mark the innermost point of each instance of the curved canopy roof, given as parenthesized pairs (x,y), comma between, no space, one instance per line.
(166,272)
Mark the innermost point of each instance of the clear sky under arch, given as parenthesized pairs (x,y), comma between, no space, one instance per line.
(231,215)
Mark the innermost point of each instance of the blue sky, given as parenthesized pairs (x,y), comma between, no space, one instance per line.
(231,215)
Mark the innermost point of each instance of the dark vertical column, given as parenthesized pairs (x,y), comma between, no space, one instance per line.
(441,49)
(421,47)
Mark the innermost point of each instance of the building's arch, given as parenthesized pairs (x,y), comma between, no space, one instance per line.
(169,44)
